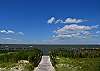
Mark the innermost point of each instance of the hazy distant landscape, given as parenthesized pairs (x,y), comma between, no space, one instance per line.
(43,47)
(63,57)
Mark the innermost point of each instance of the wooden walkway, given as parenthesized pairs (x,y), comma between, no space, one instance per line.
(45,65)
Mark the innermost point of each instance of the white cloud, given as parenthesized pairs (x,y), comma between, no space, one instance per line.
(73,27)
(21,33)
(7,31)
(74,20)
(97,32)
(3,31)
(73,31)
(58,21)
(53,20)
(63,36)
(8,38)
(68,35)
(11,32)
(85,32)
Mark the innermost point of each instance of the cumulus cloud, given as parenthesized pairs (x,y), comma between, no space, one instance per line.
(53,20)
(75,27)
(63,36)
(74,20)
(85,33)
(7,31)
(73,30)
(11,32)
(73,35)
(7,38)
(10,36)
(3,31)
(21,33)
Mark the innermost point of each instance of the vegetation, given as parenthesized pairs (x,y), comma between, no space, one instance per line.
(76,59)
(10,59)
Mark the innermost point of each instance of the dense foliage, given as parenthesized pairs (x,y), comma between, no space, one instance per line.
(77,59)
(33,56)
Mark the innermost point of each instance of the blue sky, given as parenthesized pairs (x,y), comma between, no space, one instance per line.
(39,21)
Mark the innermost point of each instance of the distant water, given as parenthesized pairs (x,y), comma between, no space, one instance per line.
(44,48)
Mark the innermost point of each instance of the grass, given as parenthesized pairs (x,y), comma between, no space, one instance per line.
(77,64)
(12,66)
(7,65)
(23,60)
(16,66)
